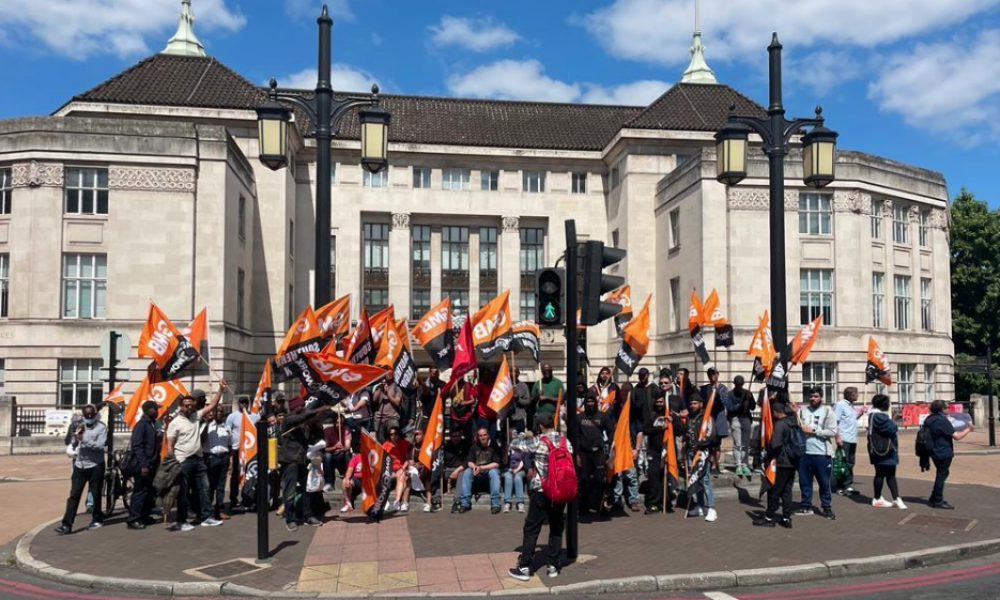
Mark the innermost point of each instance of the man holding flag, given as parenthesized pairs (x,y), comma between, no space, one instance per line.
(780,490)
(596,428)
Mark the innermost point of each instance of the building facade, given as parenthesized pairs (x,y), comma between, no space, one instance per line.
(147,187)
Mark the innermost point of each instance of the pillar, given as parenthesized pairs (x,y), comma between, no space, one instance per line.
(400,263)
(510,263)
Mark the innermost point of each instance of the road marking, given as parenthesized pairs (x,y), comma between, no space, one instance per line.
(718,596)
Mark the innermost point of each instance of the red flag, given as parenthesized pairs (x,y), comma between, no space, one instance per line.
(465,355)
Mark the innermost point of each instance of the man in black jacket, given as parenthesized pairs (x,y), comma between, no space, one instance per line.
(596,428)
(145,447)
(294,466)
(781,491)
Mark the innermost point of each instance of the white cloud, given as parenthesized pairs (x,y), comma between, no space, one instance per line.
(526,80)
(339,9)
(344,79)
(376,39)
(659,31)
(478,35)
(80,28)
(823,71)
(952,88)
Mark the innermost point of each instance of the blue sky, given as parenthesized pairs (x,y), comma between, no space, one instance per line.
(913,80)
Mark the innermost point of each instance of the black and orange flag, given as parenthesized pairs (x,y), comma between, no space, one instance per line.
(302,337)
(712,314)
(434,332)
(696,315)
(769,464)
(525,338)
(248,448)
(263,393)
(465,355)
(621,447)
(878,364)
(394,354)
(670,449)
(503,388)
(197,333)
(432,450)
(762,348)
(635,341)
(329,379)
(161,341)
(334,318)
(166,394)
(360,347)
(622,297)
(804,340)
(376,476)
(380,323)
(491,331)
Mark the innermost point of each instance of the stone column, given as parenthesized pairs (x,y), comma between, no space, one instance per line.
(435,265)
(399,263)
(474,268)
(510,263)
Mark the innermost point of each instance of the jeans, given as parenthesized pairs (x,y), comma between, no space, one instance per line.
(819,467)
(850,456)
(740,427)
(705,498)
(654,473)
(298,506)
(541,509)
(140,505)
(194,476)
(234,482)
(468,480)
(513,482)
(943,468)
(218,466)
(333,463)
(781,493)
(632,475)
(92,478)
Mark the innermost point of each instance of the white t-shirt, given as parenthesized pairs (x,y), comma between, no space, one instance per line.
(185,434)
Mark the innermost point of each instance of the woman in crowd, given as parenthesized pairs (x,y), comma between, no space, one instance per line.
(883,450)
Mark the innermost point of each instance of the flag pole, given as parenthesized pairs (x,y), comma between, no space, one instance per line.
(210,369)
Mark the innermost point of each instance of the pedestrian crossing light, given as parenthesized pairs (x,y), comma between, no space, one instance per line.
(596,257)
(550,297)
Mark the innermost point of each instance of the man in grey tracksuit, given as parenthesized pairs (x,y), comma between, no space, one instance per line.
(88,469)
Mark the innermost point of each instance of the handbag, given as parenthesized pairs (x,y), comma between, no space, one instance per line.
(840,466)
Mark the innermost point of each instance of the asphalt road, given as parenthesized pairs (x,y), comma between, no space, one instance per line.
(971,580)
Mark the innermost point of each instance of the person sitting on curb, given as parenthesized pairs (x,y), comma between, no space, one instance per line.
(482,466)
(399,449)
(352,483)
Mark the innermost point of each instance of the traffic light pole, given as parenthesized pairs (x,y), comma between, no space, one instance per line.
(572,360)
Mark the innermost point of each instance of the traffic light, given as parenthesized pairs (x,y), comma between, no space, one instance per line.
(595,283)
(550,296)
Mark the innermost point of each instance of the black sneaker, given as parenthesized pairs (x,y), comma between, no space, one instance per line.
(464,509)
(137,525)
(456,507)
(291,526)
(552,572)
(786,523)
(764,522)
(942,505)
(435,506)
(804,511)
(314,522)
(652,510)
(63,530)
(519,573)
(828,514)
(494,510)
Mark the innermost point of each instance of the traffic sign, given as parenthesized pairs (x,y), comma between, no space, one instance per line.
(122,347)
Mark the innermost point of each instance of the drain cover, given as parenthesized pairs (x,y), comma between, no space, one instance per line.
(226,570)
(953,523)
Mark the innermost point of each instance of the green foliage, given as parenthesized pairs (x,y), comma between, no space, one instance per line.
(975,285)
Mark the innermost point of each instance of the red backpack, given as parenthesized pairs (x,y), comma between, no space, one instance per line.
(560,484)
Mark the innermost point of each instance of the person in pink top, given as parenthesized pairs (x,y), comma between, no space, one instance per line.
(352,483)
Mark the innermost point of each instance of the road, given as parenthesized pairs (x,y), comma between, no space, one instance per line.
(971,580)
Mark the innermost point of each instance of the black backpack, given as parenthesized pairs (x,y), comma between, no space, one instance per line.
(925,444)
(794,446)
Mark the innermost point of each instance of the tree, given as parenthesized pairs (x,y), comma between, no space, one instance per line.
(975,285)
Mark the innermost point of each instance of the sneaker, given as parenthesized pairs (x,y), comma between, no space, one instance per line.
(391,507)
(785,522)
(900,504)
(881,503)
(462,509)
(94,525)
(63,530)
(696,512)
(506,507)
(519,573)
(281,510)
(494,510)
(427,508)
(712,516)
(346,508)
(652,510)
(327,488)
(210,522)
(804,511)
(313,521)
(851,492)
(187,527)
(942,505)
(634,507)
(764,522)
(520,507)
(291,526)
(552,572)
(404,507)
(435,507)
(456,507)
(828,514)
(224,516)
(137,525)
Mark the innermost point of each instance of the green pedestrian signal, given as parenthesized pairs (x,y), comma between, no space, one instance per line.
(550,312)
(549,297)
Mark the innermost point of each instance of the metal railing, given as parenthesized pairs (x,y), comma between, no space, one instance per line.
(29,420)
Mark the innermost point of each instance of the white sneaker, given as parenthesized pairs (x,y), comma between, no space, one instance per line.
(712,516)
(900,504)
(404,507)
(427,508)
(696,512)
(520,507)
(881,503)
(210,522)
(327,488)
(346,507)
(394,508)
(187,527)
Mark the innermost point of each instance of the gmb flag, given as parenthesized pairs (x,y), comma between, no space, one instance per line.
(329,379)
(394,354)
(878,364)
(381,322)
(622,297)
(491,327)
(432,450)
(635,341)
(376,476)
(525,339)
(334,319)
(361,347)
(166,394)
(712,313)
(696,316)
(302,337)
(161,341)
(435,334)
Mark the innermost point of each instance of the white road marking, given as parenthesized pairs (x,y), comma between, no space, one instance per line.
(718,596)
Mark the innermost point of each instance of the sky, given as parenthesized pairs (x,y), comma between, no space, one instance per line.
(913,80)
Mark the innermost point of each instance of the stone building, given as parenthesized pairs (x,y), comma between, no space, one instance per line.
(148,186)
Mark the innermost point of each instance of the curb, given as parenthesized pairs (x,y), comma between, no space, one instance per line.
(832,569)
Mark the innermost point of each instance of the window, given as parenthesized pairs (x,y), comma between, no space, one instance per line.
(822,375)
(615,178)
(420,240)
(79,382)
(579,183)
(380,179)
(489,180)
(85,286)
(901,293)
(454,248)
(456,179)
(926,305)
(675,228)
(900,223)
(675,303)
(333,266)
(4,284)
(923,233)
(3,376)
(459,299)
(876,215)
(420,303)
(878,300)
(86,191)
(533,182)
(929,373)
(815,214)
(532,249)
(816,295)
(6,191)
(527,305)
(375,257)
(291,239)
(241,282)
(421,177)
(291,304)
(333,173)
(904,382)
(241,217)
(375,299)
(488,279)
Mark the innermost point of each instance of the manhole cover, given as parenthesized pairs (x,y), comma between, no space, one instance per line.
(953,523)
(226,570)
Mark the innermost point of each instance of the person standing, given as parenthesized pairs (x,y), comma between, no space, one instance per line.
(547,391)
(652,432)
(847,432)
(518,409)
(388,399)
(91,438)
(184,444)
(704,500)
(883,452)
(943,436)
(293,464)
(540,507)
(719,421)
(780,494)
(820,428)
(428,391)
(739,410)
(235,423)
(145,446)
(218,444)
(595,429)
(609,396)
(626,489)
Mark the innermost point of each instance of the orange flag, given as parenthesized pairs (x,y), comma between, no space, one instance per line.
(434,435)
(622,297)
(708,309)
(380,323)
(263,387)
(503,388)
(635,341)
(334,318)
(162,341)
(706,422)
(164,393)
(491,325)
(622,445)
(248,445)
(766,431)
(376,475)
(878,364)
(558,406)
(803,341)
(670,449)
(607,402)
(303,336)
(696,313)
(197,332)
(116,396)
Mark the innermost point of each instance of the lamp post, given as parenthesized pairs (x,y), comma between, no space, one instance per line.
(819,157)
(325,112)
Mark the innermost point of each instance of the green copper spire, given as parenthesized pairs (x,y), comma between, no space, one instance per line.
(698,71)
(185,42)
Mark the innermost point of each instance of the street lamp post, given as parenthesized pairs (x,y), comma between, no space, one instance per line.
(325,112)
(819,157)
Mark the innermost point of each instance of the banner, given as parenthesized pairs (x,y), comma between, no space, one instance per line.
(525,338)
(712,313)
(361,347)
(394,354)
(334,318)
(165,393)
(432,450)
(621,447)
(248,448)
(491,327)
(328,379)
(161,341)
(434,332)
(803,341)
(635,341)
(263,392)
(878,364)
(695,316)
(503,388)
(380,323)
(197,333)
(302,337)
(762,347)
(376,476)
(622,297)
(465,355)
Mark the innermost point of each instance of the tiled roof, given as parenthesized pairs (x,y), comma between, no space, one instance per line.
(165,80)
